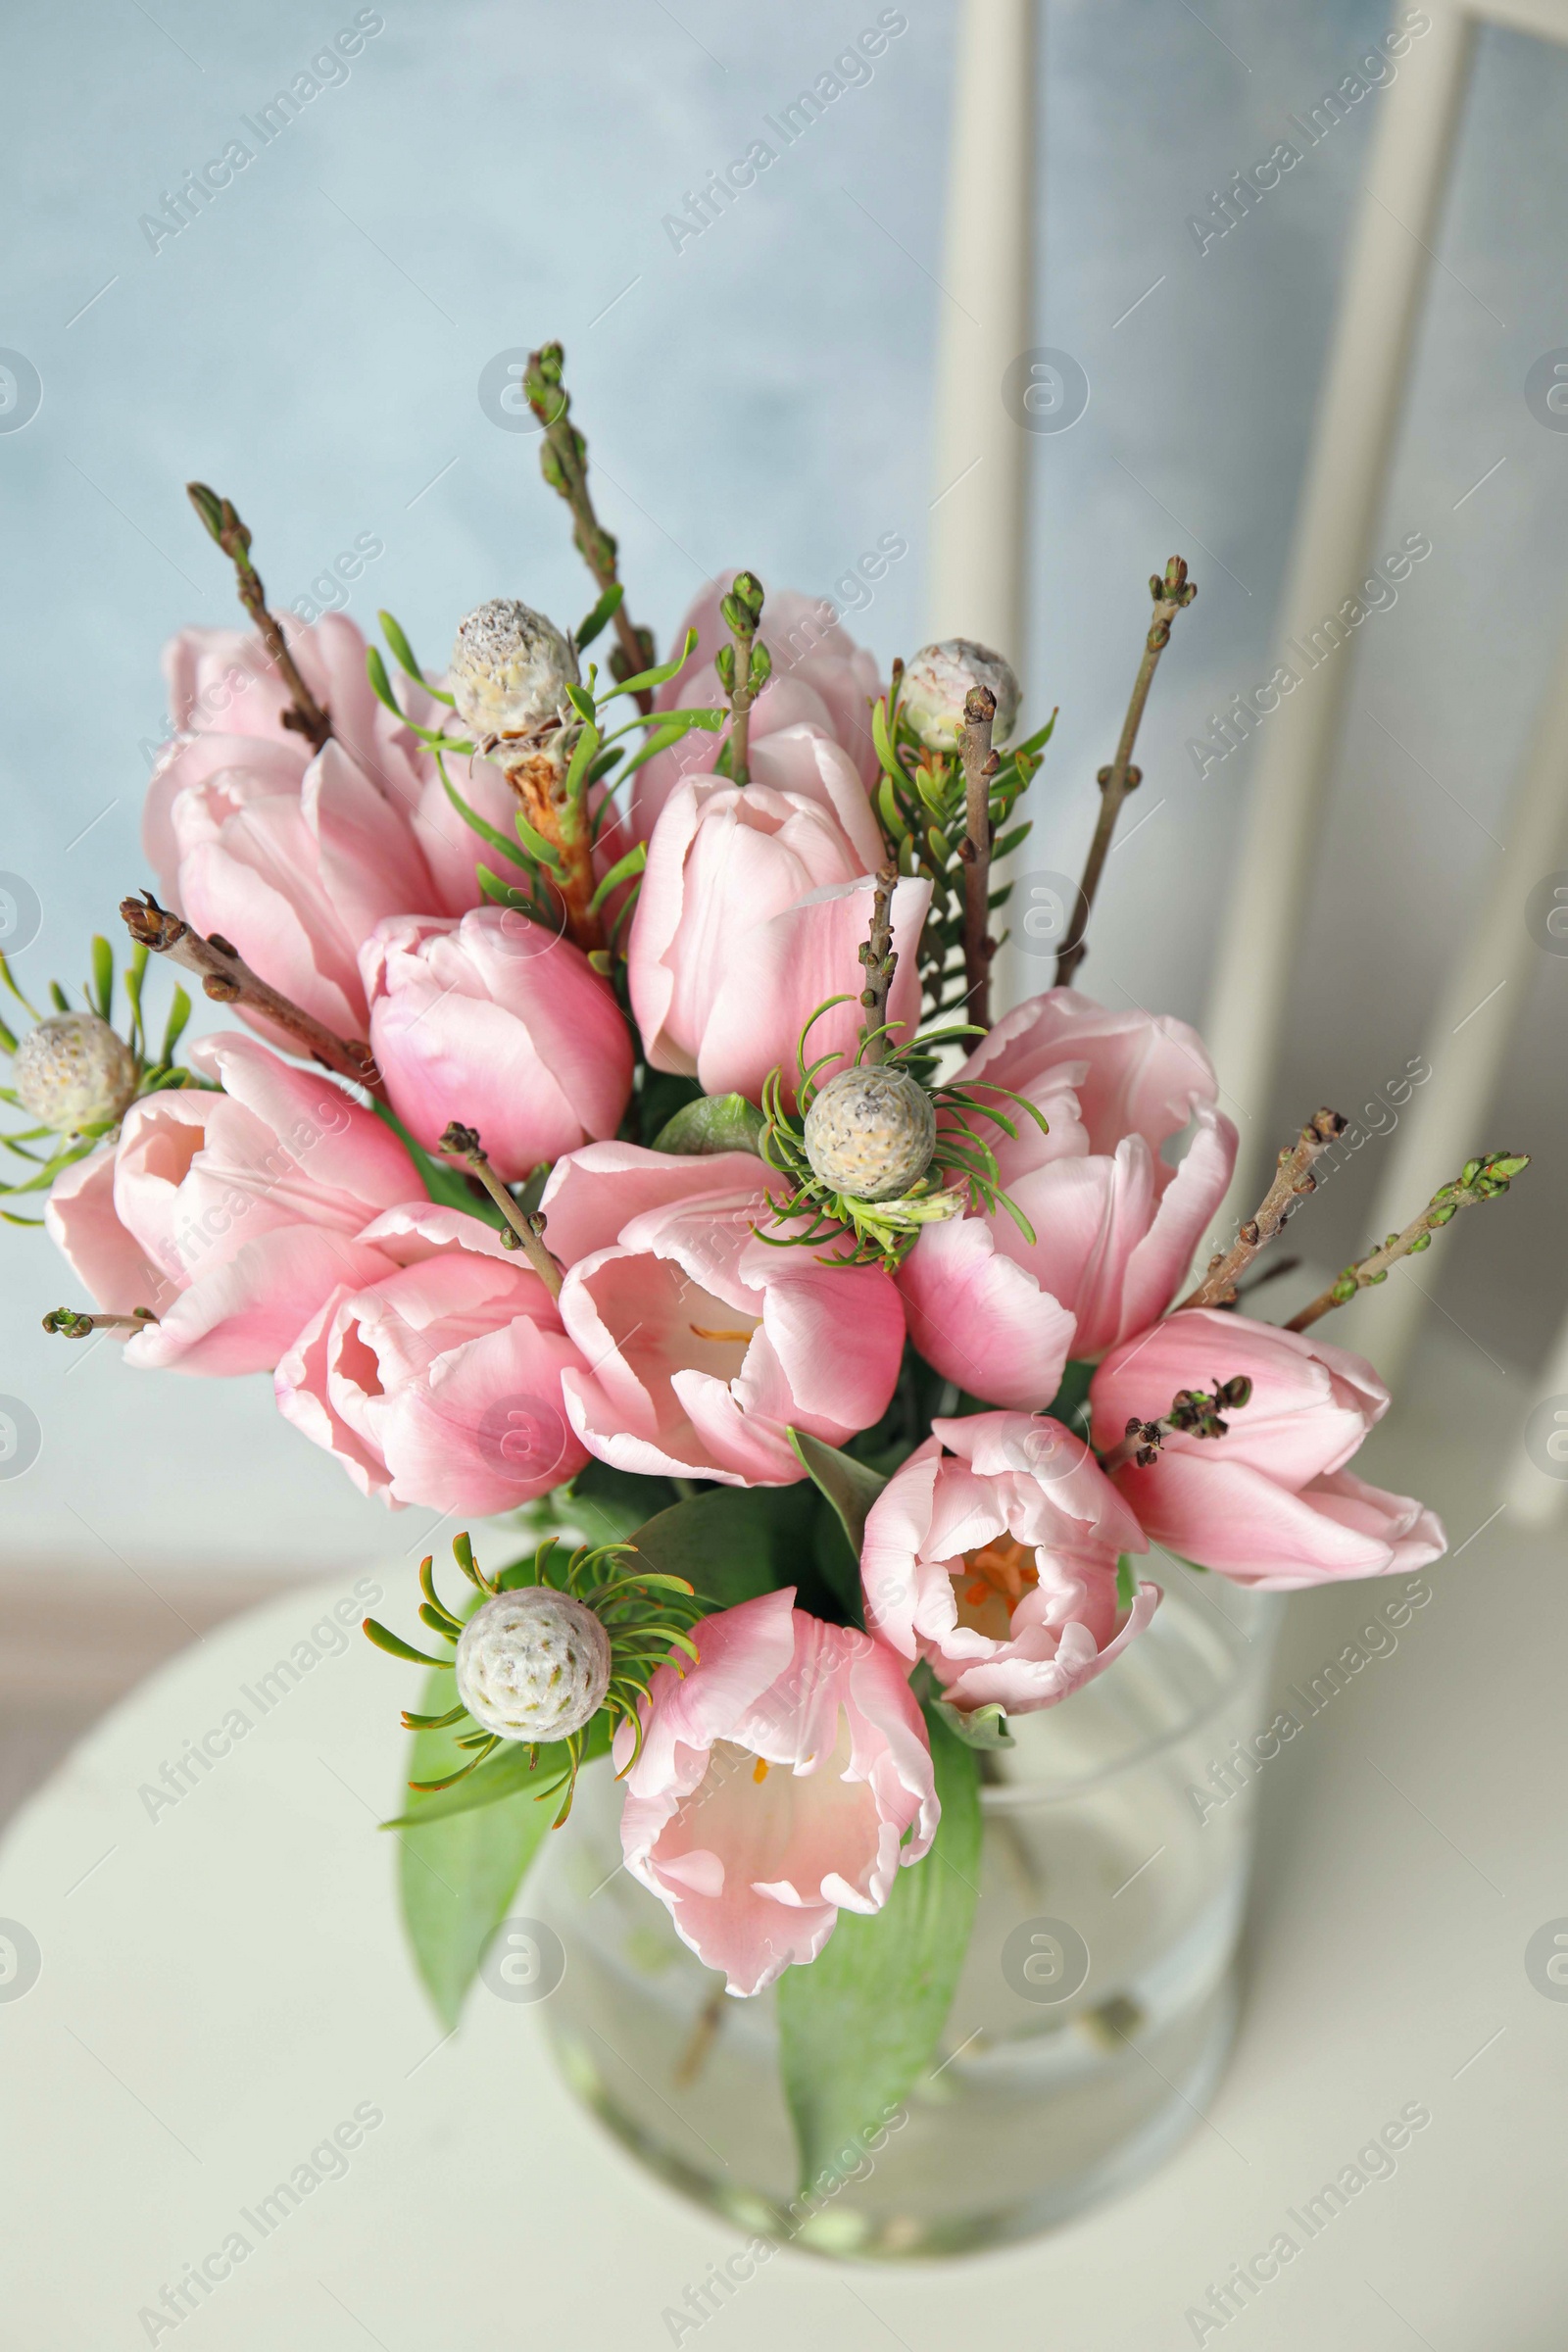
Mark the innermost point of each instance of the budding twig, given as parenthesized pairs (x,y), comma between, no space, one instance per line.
(228,979)
(307,718)
(1170,594)
(524,1232)
(1478,1180)
(70,1323)
(743,668)
(1292,1179)
(881,960)
(980,764)
(563,463)
(1196,1412)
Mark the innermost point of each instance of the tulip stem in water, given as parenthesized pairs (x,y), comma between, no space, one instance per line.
(1292,1179)
(1478,1180)
(701,2040)
(1117,781)
(228,979)
(307,718)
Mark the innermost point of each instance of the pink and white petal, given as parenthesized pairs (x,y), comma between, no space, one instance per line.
(982,1320)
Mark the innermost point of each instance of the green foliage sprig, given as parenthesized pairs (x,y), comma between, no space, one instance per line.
(963,1173)
(648,1616)
(155,1071)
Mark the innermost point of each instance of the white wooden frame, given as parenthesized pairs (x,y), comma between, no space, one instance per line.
(1358,414)
(977,559)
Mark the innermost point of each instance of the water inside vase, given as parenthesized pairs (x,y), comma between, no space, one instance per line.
(1090,2023)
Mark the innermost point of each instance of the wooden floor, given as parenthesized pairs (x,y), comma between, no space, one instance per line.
(72,1645)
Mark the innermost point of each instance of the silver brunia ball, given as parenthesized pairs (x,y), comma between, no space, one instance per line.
(939,679)
(533,1664)
(72,1071)
(871,1132)
(509,670)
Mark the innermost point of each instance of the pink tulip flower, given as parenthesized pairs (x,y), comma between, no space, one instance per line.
(230,1215)
(752,911)
(1115,1226)
(774,1786)
(992,1552)
(251,835)
(435,1376)
(701,1345)
(821,679)
(1269,1504)
(497,1021)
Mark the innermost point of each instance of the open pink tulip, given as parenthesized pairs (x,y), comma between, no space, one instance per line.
(752,911)
(1114,1225)
(231,1216)
(293,860)
(297,878)
(435,1376)
(703,1346)
(992,1552)
(1269,1504)
(497,1021)
(774,1786)
(821,679)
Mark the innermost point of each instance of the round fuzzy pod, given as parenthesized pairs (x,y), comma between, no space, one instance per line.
(533,1664)
(72,1071)
(509,670)
(871,1132)
(937,682)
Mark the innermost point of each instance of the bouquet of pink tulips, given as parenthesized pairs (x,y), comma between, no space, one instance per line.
(616,1142)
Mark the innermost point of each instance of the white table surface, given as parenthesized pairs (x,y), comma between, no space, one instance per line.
(223,1985)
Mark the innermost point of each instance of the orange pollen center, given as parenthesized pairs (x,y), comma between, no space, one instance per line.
(1005,1566)
(759,1769)
(718,1335)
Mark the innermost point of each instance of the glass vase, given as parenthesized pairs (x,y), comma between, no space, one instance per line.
(1094,2013)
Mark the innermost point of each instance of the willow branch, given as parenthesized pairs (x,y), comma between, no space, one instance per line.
(527,1233)
(881,960)
(70,1323)
(1480,1180)
(563,463)
(743,668)
(1293,1181)
(1170,594)
(980,764)
(307,718)
(228,979)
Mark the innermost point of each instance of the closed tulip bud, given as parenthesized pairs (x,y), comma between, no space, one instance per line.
(509,672)
(938,681)
(72,1072)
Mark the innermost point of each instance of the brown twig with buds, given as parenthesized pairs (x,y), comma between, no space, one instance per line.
(307,718)
(524,1232)
(1195,1412)
(1171,594)
(1293,1181)
(881,960)
(563,463)
(744,669)
(228,979)
(980,764)
(1478,1180)
(70,1323)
